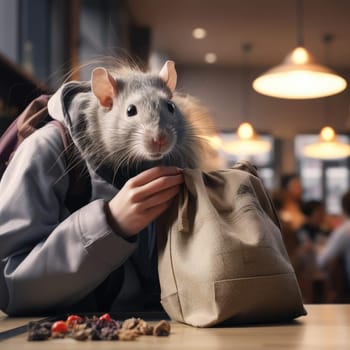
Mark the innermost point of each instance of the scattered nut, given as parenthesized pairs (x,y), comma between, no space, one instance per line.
(97,328)
(162,329)
(80,335)
(127,334)
(144,328)
(130,323)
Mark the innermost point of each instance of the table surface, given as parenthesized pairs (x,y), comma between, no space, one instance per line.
(325,327)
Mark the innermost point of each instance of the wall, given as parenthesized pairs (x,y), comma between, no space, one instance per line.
(103,32)
(223,91)
(9,28)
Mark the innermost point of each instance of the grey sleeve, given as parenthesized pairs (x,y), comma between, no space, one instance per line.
(337,242)
(50,258)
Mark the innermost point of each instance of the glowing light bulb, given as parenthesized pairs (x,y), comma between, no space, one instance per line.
(300,55)
(245,131)
(199,33)
(210,57)
(327,134)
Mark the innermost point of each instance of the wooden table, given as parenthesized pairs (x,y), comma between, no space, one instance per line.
(325,327)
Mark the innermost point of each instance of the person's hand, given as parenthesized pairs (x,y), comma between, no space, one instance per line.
(142,199)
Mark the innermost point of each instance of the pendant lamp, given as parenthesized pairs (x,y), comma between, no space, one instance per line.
(328,147)
(299,76)
(247,142)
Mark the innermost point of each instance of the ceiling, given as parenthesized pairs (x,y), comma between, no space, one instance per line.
(269,25)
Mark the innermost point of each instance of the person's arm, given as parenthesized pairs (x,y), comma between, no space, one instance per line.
(48,257)
(335,245)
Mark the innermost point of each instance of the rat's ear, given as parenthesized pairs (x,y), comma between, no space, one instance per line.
(168,74)
(103,86)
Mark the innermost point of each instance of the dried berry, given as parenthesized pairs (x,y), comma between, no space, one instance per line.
(95,335)
(73,320)
(37,331)
(106,317)
(95,328)
(46,325)
(38,335)
(59,327)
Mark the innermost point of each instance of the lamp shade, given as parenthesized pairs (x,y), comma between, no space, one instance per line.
(328,148)
(299,77)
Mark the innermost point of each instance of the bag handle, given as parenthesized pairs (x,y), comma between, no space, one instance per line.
(246,166)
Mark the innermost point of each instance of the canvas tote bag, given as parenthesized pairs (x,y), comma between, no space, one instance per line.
(221,257)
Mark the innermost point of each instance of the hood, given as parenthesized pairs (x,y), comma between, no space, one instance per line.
(60,102)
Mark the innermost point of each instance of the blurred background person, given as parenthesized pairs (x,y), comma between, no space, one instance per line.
(291,198)
(335,254)
(309,236)
(314,229)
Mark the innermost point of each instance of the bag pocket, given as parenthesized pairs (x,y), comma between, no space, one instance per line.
(272,298)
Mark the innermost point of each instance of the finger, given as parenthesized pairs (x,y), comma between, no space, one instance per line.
(152,174)
(154,212)
(158,185)
(146,217)
(141,193)
(159,198)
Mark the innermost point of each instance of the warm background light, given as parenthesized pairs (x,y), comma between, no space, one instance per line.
(210,57)
(299,77)
(327,134)
(245,131)
(199,33)
(247,142)
(300,55)
(328,147)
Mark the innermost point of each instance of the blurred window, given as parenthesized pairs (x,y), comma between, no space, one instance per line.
(325,180)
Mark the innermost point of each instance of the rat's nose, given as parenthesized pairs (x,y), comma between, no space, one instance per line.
(160,140)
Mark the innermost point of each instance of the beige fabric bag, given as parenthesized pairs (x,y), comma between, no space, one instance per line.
(221,255)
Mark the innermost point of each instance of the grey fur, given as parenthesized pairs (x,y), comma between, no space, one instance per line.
(113,139)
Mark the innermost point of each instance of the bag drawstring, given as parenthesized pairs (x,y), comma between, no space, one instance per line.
(183,221)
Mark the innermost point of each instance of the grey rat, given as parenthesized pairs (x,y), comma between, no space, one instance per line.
(128,120)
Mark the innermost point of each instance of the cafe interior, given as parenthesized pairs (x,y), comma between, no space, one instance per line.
(273,75)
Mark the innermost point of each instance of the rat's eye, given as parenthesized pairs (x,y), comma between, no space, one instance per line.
(171,107)
(131,111)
